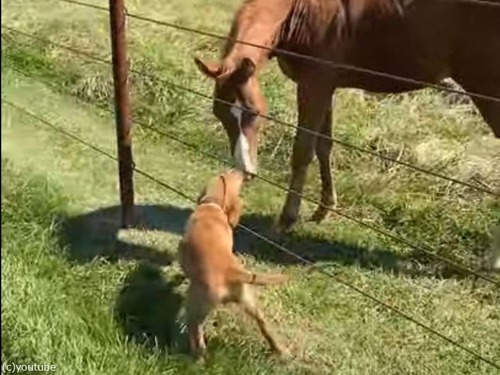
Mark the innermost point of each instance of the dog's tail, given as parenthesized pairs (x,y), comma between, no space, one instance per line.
(239,275)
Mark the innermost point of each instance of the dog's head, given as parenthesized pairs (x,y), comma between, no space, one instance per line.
(224,190)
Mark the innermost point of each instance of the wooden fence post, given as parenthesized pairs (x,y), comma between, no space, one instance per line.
(117,20)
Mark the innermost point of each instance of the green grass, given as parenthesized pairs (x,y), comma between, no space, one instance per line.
(80,293)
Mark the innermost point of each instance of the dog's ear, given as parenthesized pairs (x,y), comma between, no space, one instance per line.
(234,208)
(201,195)
(234,211)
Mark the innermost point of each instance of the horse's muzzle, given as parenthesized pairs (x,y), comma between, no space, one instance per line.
(242,157)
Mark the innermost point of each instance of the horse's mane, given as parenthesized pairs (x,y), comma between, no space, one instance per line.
(309,20)
(304,22)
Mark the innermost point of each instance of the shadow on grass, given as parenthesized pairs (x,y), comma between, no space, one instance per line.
(312,248)
(148,305)
(147,309)
(95,234)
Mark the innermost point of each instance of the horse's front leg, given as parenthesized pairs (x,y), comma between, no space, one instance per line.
(314,103)
(324,145)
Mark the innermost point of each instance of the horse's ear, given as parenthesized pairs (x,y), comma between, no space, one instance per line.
(247,67)
(210,69)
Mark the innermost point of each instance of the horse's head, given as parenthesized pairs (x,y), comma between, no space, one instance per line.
(237,104)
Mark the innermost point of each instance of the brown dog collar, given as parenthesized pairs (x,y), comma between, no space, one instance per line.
(212,200)
(208,200)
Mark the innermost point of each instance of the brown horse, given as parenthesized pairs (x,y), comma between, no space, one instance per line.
(426,40)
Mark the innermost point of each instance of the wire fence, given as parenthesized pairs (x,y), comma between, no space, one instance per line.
(486,3)
(308,58)
(342,143)
(425,249)
(276,245)
(420,248)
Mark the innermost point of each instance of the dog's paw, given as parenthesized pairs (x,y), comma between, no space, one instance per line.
(279,349)
(282,353)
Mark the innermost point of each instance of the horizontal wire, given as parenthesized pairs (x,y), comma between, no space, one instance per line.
(490,3)
(429,251)
(360,291)
(420,248)
(335,140)
(270,118)
(426,249)
(296,55)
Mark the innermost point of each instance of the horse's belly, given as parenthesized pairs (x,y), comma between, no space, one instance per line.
(416,47)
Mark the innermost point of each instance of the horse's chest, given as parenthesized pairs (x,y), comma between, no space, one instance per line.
(289,68)
(298,69)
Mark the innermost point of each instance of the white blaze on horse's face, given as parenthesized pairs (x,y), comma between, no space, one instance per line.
(242,149)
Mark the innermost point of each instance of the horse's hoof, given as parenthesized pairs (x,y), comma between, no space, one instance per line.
(199,355)
(319,215)
(275,233)
(284,225)
(322,212)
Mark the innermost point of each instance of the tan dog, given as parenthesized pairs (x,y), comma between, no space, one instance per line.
(206,257)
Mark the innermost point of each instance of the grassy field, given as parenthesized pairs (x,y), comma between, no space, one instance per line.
(80,293)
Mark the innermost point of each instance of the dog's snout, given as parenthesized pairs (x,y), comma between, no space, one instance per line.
(249,176)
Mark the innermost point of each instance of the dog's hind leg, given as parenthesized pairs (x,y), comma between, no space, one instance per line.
(249,304)
(198,306)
